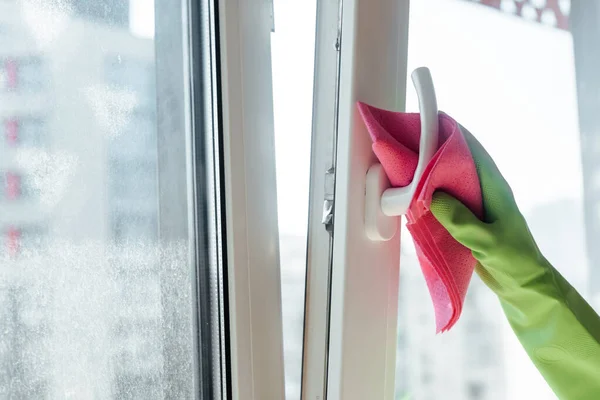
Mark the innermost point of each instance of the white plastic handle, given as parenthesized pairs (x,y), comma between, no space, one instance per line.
(383,204)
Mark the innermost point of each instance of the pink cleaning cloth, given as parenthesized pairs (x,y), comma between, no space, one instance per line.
(446,264)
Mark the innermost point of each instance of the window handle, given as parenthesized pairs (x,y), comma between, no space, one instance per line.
(383,205)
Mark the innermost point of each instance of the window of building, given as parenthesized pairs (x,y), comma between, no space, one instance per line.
(160,246)
(24,132)
(93,344)
(8,74)
(11,131)
(24,241)
(21,74)
(12,241)
(16,186)
(11,185)
(134,254)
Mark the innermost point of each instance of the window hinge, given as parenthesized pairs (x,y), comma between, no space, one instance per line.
(272,16)
(328,200)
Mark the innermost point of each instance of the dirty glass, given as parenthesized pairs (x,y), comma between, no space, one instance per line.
(93,305)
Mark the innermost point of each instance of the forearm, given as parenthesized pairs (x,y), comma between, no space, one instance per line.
(559,331)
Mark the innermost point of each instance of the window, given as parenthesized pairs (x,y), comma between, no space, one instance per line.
(8,74)
(106,290)
(13,241)
(11,185)
(21,74)
(17,187)
(25,132)
(137,151)
(151,249)
(11,131)
(24,241)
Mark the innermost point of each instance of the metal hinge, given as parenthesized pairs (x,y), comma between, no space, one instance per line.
(272,16)
(329,197)
(328,200)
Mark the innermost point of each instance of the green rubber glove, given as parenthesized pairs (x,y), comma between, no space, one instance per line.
(555,325)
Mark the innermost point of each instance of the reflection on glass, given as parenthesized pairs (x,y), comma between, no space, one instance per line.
(84,299)
(511,81)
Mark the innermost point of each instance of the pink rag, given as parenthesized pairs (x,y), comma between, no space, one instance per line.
(446,264)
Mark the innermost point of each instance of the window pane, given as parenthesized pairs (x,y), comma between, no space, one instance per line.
(511,81)
(95,303)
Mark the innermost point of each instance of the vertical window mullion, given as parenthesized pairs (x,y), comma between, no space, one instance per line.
(187,133)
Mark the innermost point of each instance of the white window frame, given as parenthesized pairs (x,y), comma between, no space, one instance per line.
(350,340)
(210,113)
(255,313)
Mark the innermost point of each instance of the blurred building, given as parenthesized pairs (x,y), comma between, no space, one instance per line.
(78,174)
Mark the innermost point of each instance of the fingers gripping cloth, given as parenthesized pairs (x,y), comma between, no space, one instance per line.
(446,264)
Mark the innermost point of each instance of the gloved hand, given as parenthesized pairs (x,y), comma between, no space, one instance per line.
(555,325)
